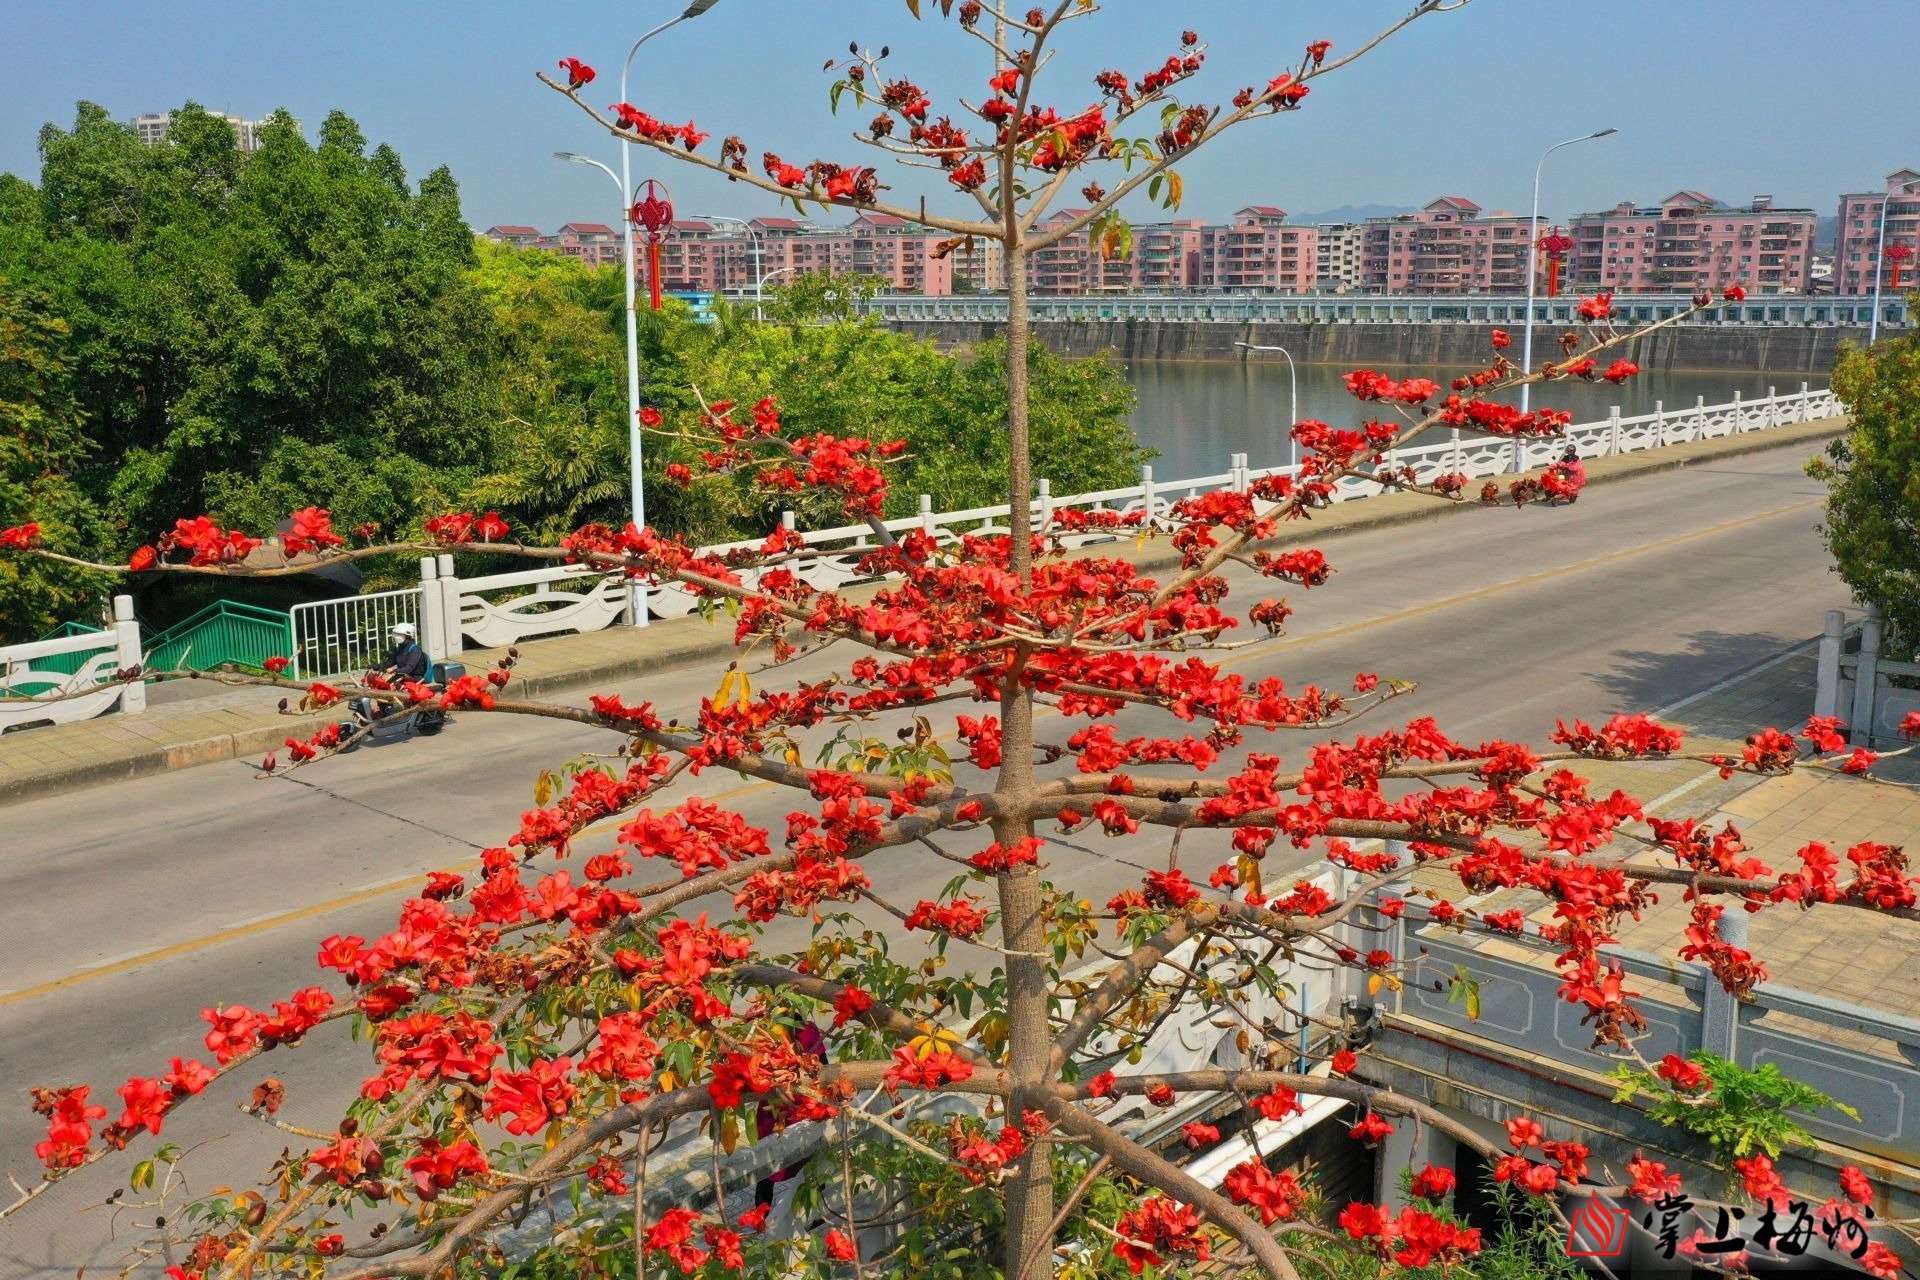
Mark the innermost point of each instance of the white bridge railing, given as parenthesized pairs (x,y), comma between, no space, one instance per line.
(71,678)
(566,599)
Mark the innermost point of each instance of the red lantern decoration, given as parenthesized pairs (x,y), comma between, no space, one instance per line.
(1897,254)
(1555,245)
(652,212)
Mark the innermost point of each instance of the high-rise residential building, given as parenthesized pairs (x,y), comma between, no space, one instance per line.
(152,128)
(1260,252)
(1859,245)
(1451,246)
(1337,256)
(1691,241)
(594,243)
(1169,257)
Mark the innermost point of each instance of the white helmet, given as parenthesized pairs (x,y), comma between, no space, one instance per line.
(403,629)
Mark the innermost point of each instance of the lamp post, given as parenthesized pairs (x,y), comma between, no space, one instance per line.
(1293,380)
(1880,260)
(753,237)
(637,598)
(1533,250)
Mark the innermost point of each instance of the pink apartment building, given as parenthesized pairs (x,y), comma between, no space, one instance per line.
(1258,252)
(1451,246)
(1860,244)
(1691,241)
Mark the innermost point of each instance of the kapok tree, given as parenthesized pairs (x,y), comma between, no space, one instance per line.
(591,1013)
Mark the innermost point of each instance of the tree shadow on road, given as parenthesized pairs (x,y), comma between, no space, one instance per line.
(1750,690)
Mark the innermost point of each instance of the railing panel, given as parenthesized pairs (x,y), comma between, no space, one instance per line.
(348,635)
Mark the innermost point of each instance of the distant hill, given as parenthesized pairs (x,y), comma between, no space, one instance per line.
(1351,213)
(1825,231)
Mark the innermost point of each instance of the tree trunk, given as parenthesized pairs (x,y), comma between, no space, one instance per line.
(1023,927)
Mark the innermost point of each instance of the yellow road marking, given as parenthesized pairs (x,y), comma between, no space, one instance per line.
(367,895)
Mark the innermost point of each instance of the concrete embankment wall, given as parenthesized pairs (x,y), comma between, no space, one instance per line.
(1696,347)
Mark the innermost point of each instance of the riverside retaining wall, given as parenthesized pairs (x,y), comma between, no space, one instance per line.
(1773,349)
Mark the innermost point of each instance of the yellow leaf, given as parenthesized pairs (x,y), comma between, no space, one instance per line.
(543,788)
(1374,983)
(729,1134)
(728,682)
(668,1081)
(1250,873)
(1173,189)
(793,755)
(936,1040)
(746,691)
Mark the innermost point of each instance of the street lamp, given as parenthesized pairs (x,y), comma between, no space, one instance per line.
(637,599)
(1533,249)
(753,237)
(1879,262)
(1293,379)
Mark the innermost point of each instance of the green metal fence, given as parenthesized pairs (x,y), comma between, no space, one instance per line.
(222,633)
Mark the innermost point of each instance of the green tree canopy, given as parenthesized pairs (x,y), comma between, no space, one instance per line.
(1872,525)
(42,444)
(563,411)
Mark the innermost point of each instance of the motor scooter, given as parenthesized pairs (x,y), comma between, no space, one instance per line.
(426,722)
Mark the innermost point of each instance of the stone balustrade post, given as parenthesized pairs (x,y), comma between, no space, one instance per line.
(1046,504)
(433,611)
(1149,495)
(1739,413)
(1453,452)
(1720,1012)
(1806,406)
(1773,407)
(126,651)
(1866,679)
(1699,416)
(1613,430)
(453,641)
(1833,639)
(926,514)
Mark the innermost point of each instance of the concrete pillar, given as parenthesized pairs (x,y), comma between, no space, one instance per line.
(1833,638)
(926,514)
(450,606)
(1805,412)
(1699,417)
(1613,429)
(1739,423)
(433,611)
(1866,679)
(1046,504)
(126,652)
(1453,450)
(1720,1012)
(1149,498)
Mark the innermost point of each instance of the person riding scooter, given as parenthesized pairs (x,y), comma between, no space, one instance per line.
(408,661)
(1565,478)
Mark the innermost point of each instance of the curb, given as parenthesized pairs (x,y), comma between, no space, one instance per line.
(714,639)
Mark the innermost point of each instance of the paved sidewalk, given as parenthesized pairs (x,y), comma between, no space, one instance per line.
(177,733)
(1844,953)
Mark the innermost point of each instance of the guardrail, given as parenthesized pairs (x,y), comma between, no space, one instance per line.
(348,635)
(71,665)
(562,600)
(222,634)
(1520,1007)
(1861,685)
(1348,308)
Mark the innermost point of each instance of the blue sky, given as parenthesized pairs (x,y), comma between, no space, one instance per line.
(1734,97)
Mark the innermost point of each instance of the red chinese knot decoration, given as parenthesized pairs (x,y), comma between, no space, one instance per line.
(1897,255)
(652,212)
(1555,245)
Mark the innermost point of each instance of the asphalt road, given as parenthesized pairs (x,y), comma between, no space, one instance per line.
(134,906)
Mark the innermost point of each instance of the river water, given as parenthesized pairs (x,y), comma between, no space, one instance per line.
(1197,413)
